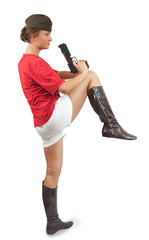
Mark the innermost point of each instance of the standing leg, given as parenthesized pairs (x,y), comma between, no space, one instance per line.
(54,156)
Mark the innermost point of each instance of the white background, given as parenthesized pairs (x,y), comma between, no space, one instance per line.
(104,185)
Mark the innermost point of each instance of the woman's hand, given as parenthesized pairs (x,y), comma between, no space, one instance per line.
(67,86)
(80,66)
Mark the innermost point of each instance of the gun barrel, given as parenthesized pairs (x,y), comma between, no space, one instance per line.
(68,58)
(64,49)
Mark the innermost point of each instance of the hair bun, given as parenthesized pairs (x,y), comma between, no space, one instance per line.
(24,35)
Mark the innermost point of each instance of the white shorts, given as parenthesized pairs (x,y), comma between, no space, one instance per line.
(54,129)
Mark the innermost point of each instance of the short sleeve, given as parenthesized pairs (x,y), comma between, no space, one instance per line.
(46,77)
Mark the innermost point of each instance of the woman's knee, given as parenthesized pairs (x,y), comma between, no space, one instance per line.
(91,74)
(53,172)
(93,79)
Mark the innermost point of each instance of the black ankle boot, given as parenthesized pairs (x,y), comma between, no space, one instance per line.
(54,223)
(101,106)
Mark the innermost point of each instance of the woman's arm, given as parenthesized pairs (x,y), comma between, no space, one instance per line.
(67,86)
(66,74)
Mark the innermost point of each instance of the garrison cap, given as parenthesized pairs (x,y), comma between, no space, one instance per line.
(39,21)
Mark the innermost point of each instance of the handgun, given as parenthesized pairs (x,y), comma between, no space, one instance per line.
(69,59)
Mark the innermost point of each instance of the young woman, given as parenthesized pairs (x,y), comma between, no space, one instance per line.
(53,113)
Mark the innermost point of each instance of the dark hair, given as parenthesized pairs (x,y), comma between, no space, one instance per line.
(25,35)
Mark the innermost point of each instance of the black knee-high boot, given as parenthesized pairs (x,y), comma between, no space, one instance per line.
(101,106)
(54,223)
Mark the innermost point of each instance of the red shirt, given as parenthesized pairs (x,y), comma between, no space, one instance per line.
(39,83)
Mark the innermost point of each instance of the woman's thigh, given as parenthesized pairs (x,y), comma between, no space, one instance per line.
(79,93)
(78,96)
(54,157)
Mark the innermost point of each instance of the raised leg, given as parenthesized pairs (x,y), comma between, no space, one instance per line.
(79,93)
(91,87)
(101,106)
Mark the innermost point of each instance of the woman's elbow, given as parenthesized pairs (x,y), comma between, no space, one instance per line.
(63,89)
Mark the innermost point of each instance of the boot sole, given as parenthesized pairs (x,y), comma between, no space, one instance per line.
(53,231)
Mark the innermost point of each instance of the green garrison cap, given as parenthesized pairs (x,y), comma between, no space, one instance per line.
(39,21)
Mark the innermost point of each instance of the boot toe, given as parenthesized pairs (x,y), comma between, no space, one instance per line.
(116,132)
(125,135)
(68,224)
(129,137)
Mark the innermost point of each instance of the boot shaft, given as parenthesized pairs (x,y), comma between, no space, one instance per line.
(100,104)
(54,223)
(49,196)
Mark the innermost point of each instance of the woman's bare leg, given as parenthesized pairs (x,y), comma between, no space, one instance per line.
(79,93)
(54,158)
(54,153)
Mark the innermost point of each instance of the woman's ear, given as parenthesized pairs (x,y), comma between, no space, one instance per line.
(33,38)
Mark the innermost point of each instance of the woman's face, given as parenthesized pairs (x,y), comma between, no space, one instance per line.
(42,41)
